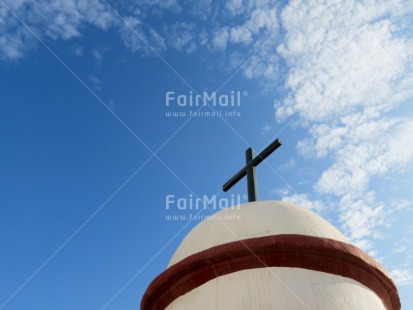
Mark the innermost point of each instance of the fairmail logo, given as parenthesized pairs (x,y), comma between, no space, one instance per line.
(172,202)
(231,99)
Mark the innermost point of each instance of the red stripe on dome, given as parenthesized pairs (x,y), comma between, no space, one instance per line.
(295,251)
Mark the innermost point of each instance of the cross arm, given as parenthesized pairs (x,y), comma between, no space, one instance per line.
(264,154)
(252,163)
(234,179)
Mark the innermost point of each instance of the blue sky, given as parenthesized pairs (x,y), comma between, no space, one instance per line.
(90,155)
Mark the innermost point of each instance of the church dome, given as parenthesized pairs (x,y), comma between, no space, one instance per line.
(270,255)
(254,219)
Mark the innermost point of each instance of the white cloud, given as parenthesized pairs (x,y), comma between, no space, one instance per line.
(241,34)
(220,38)
(235,7)
(400,248)
(291,164)
(239,7)
(180,36)
(201,8)
(369,149)
(111,104)
(170,5)
(360,216)
(96,82)
(349,66)
(343,56)
(156,40)
(13,47)
(132,33)
(258,30)
(135,38)
(402,276)
(262,61)
(59,19)
(304,201)
(260,20)
(97,55)
(66,19)
(283,191)
(265,129)
(203,38)
(96,13)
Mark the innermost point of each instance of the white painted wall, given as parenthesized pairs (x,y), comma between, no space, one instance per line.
(279,288)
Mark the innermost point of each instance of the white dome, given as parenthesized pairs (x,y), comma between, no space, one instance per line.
(254,219)
(270,255)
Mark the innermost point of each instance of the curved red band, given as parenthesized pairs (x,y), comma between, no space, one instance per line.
(297,251)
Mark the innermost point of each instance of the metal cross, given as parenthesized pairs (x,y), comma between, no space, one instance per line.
(249,170)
